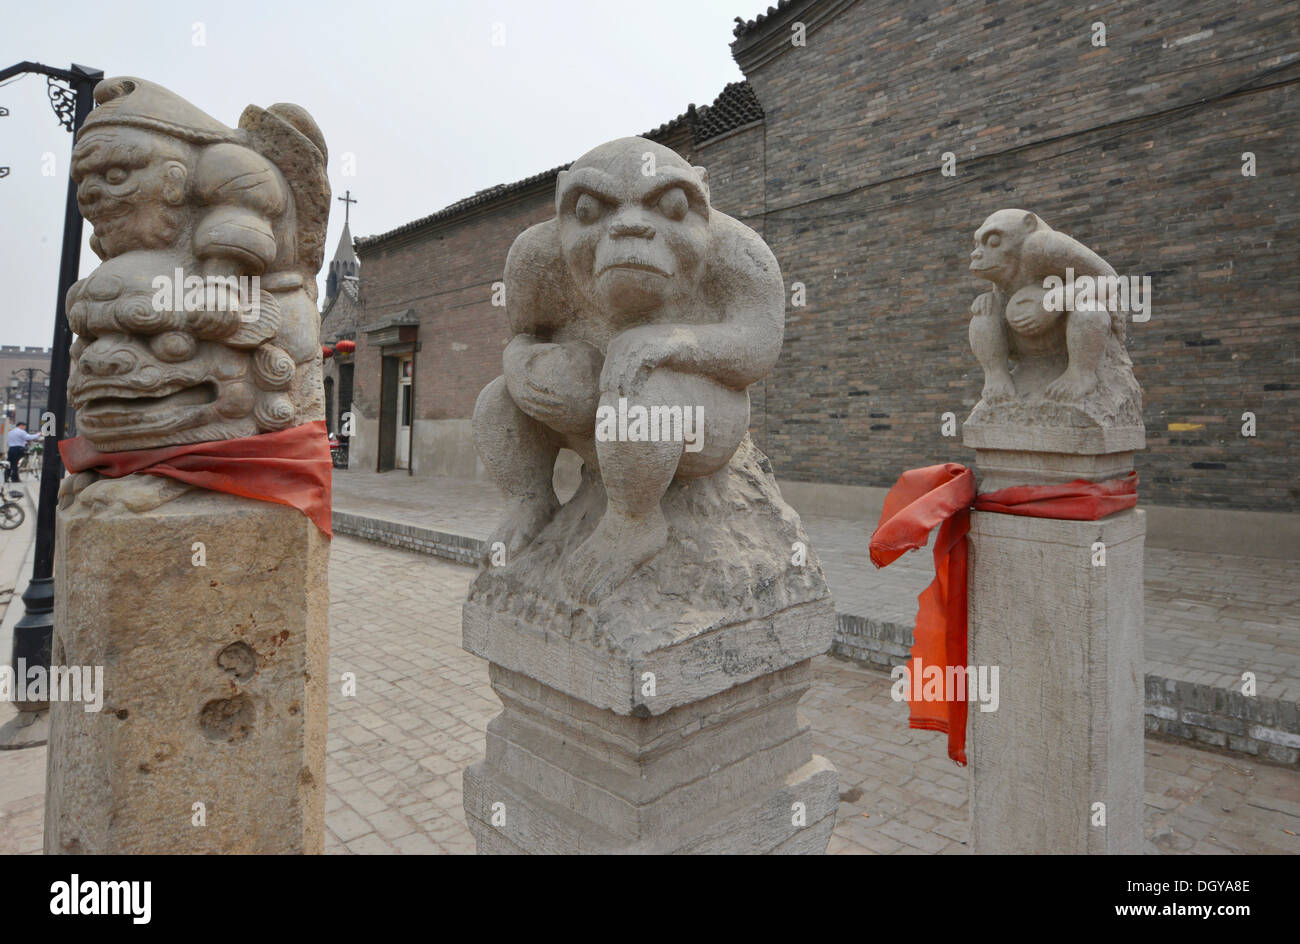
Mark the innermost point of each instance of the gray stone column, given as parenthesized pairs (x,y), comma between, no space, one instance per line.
(718,761)
(1066,635)
(1057,767)
(211,738)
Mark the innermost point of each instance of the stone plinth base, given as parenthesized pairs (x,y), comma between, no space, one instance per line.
(1067,638)
(690,746)
(214,677)
(733,773)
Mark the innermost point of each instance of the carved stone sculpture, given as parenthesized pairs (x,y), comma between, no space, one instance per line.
(207,610)
(1055,602)
(636,290)
(1042,364)
(173,192)
(675,585)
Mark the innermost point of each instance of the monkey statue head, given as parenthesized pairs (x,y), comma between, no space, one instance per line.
(634,227)
(998,242)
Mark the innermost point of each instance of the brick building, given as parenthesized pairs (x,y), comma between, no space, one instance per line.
(25,370)
(833,149)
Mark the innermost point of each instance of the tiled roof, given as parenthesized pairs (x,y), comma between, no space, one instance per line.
(735,106)
(461,206)
(743,27)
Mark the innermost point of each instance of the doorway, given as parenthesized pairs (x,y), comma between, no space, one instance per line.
(404,406)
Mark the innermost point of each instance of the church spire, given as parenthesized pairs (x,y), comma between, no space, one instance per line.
(345,264)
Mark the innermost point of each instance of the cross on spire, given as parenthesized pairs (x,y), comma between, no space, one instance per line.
(347,202)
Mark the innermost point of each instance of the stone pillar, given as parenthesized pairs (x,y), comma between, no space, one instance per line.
(1066,636)
(650,638)
(214,676)
(204,614)
(1062,753)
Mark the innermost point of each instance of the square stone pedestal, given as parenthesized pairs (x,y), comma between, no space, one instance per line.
(1057,606)
(215,687)
(692,745)
(1067,638)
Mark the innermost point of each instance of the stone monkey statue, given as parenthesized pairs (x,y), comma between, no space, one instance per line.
(1016,251)
(636,290)
(1029,350)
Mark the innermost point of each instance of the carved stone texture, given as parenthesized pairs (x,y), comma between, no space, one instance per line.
(676,578)
(1043,366)
(206,611)
(175,342)
(1055,605)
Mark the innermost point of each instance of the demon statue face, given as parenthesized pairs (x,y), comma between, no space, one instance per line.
(201,323)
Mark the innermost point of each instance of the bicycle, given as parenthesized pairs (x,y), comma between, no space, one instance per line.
(31,461)
(11,512)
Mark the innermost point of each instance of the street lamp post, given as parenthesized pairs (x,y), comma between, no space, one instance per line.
(34,632)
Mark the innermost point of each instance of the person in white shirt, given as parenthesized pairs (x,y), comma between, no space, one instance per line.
(18,440)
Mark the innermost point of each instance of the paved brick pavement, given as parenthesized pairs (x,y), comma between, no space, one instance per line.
(1209,617)
(396,749)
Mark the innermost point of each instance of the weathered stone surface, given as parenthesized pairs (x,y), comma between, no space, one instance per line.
(634,785)
(214,679)
(1068,731)
(209,354)
(200,325)
(1055,605)
(728,559)
(650,637)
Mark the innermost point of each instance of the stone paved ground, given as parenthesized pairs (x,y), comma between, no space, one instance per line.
(397,747)
(1209,617)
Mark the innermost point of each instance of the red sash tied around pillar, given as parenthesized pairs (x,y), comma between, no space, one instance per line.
(289,467)
(943,495)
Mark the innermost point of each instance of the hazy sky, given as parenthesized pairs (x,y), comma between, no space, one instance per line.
(418,92)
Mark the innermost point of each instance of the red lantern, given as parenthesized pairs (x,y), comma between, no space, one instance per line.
(345,347)
(326,351)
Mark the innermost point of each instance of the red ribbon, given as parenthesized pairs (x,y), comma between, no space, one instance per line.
(943,495)
(290,467)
